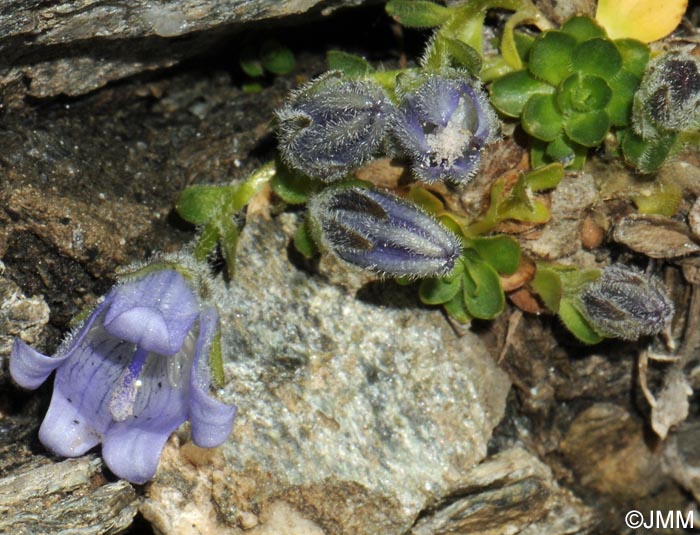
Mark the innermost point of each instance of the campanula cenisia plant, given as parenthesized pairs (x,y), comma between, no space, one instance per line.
(577,85)
(381,232)
(443,124)
(132,372)
(333,125)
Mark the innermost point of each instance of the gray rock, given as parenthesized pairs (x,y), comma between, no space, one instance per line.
(512,492)
(76,46)
(356,412)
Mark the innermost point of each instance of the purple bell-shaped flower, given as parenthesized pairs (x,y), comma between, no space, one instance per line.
(131,373)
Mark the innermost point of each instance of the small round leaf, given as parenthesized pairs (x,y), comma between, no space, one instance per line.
(623,85)
(582,28)
(550,56)
(541,118)
(598,57)
(510,92)
(635,55)
(581,92)
(588,129)
(276,58)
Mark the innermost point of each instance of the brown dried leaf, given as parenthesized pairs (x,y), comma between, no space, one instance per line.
(524,274)
(524,298)
(655,236)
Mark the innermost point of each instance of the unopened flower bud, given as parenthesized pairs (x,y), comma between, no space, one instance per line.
(442,126)
(625,303)
(332,126)
(382,233)
(668,99)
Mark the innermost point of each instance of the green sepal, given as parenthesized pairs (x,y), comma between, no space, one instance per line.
(589,128)
(199,204)
(510,93)
(216,361)
(541,118)
(276,58)
(597,57)
(577,324)
(483,295)
(349,64)
(547,284)
(457,308)
(436,291)
(501,252)
(418,13)
(545,177)
(582,28)
(462,55)
(303,242)
(635,55)
(550,56)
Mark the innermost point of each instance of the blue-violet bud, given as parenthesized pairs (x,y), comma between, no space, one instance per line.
(382,233)
(131,373)
(442,126)
(332,126)
(625,303)
(668,99)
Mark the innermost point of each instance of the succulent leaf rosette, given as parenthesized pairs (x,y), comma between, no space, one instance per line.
(444,122)
(578,84)
(132,372)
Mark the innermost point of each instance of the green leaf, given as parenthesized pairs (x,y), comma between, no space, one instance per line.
(547,285)
(538,213)
(463,55)
(647,155)
(588,129)
(418,13)
(206,241)
(582,92)
(250,63)
(545,177)
(598,57)
(483,294)
(348,64)
(426,200)
(510,93)
(582,28)
(276,58)
(228,240)
(293,187)
(303,242)
(457,308)
(199,204)
(438,291)
(550,56)
(561,150)
(501,252)
(577,324)
(541,118)
(635,55)
(624,85)
(252,87)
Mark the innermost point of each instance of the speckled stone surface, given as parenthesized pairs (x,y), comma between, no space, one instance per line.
(356,411)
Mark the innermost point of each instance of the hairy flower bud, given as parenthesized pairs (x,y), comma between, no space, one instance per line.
(382,233)
(331,126)
(668,99)
(442,126)
(625,303)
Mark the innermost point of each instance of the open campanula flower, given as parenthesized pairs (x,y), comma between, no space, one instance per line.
(625,303)
(442,126)
(332,126)
(131,373)
(382,233)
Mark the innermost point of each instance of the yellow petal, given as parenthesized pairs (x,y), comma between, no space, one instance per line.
(645,20)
